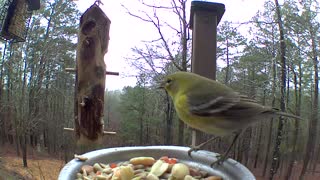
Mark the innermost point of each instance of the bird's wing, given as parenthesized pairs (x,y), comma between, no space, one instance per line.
(205,104)
(227,105)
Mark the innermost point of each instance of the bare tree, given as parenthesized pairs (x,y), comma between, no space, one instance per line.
(313,123)
(276,152)
(164,54)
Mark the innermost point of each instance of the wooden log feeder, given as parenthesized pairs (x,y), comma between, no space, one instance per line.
(93,40)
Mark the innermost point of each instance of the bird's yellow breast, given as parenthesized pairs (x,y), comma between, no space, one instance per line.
(208,125)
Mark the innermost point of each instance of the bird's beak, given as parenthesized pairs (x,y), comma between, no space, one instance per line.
(161,85)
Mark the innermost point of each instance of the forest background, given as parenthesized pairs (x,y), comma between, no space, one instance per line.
(275,62)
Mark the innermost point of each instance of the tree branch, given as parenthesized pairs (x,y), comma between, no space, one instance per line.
(136,16)
(157,7)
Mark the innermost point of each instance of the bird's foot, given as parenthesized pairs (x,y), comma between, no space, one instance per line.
(193,148)
(219,161)
(200,146)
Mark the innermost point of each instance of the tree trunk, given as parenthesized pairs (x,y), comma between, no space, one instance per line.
(17,140)
(260,131)
(239,149)
(268,147)
(315,159)
(184,62)
(313,123)
(141,131)
(169,122)
(181,133)
(248,144)
(23,143)
(297,96)
(148,132)
(282,164)
(2,115)
(9,118)
(256,157)
(234,154)
(226,81)
(276,151)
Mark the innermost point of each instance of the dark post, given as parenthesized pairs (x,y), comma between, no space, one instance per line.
(34,5)
(204,18)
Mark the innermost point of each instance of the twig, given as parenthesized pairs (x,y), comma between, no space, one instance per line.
(112,73)
(134,15)
(156,7)
(104,132)
(74,70)
(68,129)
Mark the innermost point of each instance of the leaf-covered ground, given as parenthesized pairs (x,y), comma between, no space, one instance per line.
(40,166)
(37,168)
(8,175)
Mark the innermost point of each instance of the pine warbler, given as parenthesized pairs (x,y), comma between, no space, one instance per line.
(212,107)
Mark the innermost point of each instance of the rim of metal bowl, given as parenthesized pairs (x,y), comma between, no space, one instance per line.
(230,169)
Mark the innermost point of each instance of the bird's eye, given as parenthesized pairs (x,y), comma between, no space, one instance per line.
(169,81)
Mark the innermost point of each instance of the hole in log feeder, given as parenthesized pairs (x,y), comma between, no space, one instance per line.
(88,49)
(87,28)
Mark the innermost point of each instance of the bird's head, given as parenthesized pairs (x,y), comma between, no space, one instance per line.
(175,82)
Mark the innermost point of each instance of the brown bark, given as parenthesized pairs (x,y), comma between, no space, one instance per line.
(247,148)
(184,28)
(23,144)
(239,149)
(226,81)
(23,121)
(315,159)
(256,157)
(9,113)
(276,151)
(313,123)
(297,96)
(169,122)
(274,76)
(93,41)
(259,132)
(3,123)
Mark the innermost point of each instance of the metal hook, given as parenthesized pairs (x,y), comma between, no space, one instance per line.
(98,2)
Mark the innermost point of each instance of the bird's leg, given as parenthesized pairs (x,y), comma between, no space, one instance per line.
(196,148)
(222,158)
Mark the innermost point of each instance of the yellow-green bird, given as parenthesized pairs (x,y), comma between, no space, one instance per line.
(212,107)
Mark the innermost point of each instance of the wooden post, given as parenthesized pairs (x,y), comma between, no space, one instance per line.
(204,18)
(93,40)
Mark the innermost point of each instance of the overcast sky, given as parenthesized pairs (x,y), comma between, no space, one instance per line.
(127,32)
